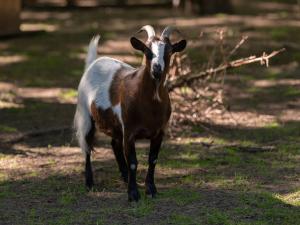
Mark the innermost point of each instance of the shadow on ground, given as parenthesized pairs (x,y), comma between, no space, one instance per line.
(55,194)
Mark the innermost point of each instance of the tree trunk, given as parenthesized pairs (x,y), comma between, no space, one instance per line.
(10,16)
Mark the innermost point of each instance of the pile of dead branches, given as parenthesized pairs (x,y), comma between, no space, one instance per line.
(196,94)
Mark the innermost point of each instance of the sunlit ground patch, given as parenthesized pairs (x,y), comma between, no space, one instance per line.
(292,198)
(5,60)
(30,27)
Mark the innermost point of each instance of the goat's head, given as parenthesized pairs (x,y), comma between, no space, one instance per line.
(158,50)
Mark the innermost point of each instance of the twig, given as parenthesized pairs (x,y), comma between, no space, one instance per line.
(182,80)
(244,38)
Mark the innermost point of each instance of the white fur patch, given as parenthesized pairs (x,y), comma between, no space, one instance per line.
(94,87)
(154,161)
(118,111)
(95,83)
(158,49)
(82,125)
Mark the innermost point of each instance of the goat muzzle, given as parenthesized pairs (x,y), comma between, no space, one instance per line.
(157,72)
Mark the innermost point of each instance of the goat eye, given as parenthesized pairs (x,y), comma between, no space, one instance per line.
(149,55)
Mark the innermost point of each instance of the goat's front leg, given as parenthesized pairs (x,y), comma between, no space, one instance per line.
(129,149)
(119,154)
(152,160)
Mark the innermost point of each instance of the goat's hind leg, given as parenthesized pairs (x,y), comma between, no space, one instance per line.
(89,138)
(89,180)
(117,146)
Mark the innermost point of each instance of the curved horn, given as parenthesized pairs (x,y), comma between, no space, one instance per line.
(167,32)
(149,29)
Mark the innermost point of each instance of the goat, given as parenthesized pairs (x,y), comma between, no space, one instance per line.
(126,104)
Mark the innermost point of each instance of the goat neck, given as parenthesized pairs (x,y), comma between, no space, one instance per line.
(150,88)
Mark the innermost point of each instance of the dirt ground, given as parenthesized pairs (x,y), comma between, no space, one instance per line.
(236,167)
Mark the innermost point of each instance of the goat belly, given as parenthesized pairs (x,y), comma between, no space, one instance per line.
(106,121)
(149,130)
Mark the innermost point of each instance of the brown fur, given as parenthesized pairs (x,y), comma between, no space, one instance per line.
(106,120)
(142,115)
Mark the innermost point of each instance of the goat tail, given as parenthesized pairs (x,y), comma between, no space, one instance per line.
(92,51)
(82,126)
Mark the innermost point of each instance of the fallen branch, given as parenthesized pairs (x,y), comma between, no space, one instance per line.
(36,133)
(186,79)
(248,149)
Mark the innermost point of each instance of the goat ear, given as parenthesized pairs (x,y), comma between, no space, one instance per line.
(179,46)
(137,44)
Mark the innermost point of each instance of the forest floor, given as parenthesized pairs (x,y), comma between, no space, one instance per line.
(243,168)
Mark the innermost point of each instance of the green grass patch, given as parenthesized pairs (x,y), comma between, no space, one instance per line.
(9,129)
(70,192)
(179,219)
(64,216)
(143,208)
(3,177)
(5,191)
(67,198)
(296,56)
(266,208)
(292,198)
(181,196)
(292,91)
(217,217)
(262,135)
(70,94)
(280,33)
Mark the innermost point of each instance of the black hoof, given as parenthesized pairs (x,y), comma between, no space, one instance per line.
(151,190)
(89,187)
(89,183)
(133,195)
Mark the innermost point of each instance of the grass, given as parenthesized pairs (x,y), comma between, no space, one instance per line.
(69,94)
(216,217)
(181,197)
(41,178)
(141,209)
(67,198)
(180,219)
(230,191)
(268,209)
(4,128)
(291,198)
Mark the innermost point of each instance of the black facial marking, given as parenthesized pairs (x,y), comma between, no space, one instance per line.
(148,53)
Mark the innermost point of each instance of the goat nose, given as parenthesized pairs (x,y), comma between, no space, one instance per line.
(157,71)
(156,67)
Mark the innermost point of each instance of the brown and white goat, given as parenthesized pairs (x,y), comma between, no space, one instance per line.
(127,104)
